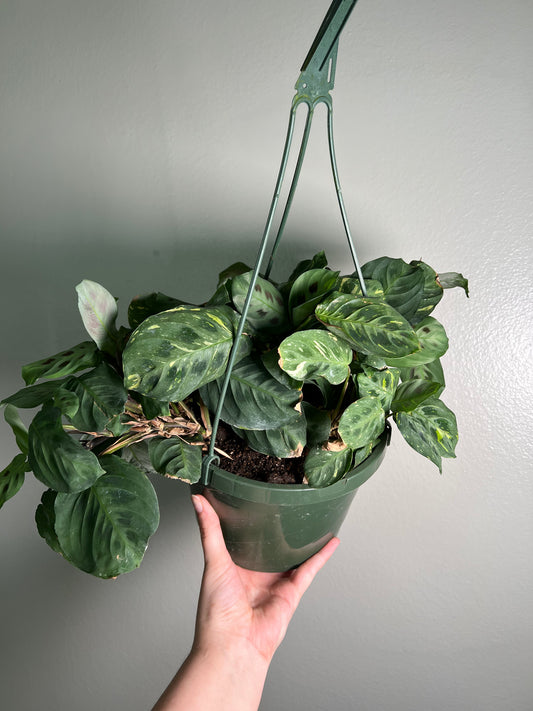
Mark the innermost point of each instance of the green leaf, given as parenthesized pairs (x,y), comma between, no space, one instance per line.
(318,424)
(433,344)
(233,270)
(413,393)
(176,458)
(12,478)
(137,454)
(105,529)
(330,394)
(369,361)
(66,401)
(309,289)
(266,310)
(319,261)
(101,397)
(173,353)
(58,460)
(149,304)
(221,297)
(361,454)
(428,371)
(351,285)
(254,400)
(431,293)
(362,422)
(34,395)
(430,429)
(369,326)
(283,442)
(45,518)
(12,418)
(449,280)
(270,360)
(307,354)
(378,383)
(84,355)
(403,284)
(98,309)
(152,408)
(326,466)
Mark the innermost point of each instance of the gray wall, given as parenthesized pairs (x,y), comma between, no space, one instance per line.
(139,144)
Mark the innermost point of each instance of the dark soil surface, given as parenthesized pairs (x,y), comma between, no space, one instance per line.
(253,465)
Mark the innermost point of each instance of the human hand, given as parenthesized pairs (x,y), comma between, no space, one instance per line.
(243,607)
(242,618)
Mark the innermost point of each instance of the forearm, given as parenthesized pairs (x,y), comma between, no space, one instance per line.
(216,680)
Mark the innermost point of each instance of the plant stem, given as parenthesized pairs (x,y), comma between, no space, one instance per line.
(341,398)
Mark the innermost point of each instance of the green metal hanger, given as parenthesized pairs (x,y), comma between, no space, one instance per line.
(315,82)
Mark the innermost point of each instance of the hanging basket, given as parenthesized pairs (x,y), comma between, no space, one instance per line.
(271,527)
(276,527)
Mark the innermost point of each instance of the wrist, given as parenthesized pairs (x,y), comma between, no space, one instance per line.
(237,671)
(238,654)
(225,678)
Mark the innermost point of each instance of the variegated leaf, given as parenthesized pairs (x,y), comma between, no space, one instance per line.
(104,530)
(351,285)
(101,397)
(362,422)
(149,304)
(403,284)
(431,292)
(433,344)
(254,399)
(173,353)
(413,393)
(326,466)
(81,357)
(34,395)
(176,459)
(304,355)
(266,310)
(430,429)
(379,383)
(283,442)
(66,401)
(58,460)
(309,289)
(428,371)
(12,478)
(270,359)
(369,326)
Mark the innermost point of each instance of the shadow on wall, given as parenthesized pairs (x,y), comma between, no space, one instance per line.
(39,279)
(52,637)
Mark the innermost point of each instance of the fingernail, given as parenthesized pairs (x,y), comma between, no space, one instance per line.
(197,503)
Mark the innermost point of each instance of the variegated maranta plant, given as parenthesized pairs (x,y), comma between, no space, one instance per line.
(320,369)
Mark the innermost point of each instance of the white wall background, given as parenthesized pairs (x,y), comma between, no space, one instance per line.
(139,144)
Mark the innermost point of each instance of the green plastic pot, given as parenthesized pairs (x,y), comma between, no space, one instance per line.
(276,527)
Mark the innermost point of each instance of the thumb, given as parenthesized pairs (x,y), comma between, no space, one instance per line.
(213,544)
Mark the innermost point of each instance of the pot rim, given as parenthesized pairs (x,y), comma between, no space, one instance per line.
(294,494)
